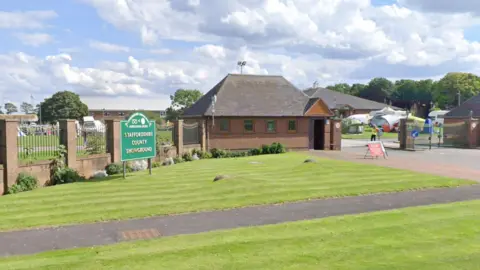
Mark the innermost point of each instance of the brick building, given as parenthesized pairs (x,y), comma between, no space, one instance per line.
(108,113)
(251,110)
(461,126)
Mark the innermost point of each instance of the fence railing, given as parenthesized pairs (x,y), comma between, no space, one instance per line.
(91,139)
(191,134)
(37,142)
(445,135)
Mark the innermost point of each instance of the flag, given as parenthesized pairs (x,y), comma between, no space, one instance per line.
(31,96)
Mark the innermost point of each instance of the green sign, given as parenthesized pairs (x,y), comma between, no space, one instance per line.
(137,139)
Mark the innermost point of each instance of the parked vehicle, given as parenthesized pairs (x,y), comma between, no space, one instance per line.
(437,117)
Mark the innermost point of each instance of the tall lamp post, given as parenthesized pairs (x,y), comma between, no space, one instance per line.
(241,64)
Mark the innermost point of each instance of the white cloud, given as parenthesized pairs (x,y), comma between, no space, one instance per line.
(27,19)
(107,47)
(211,51)
(329,41)
(34,39)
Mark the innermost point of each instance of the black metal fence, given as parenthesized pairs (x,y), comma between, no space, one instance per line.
(191,134)
(442,135)
(37,142)
(91,139)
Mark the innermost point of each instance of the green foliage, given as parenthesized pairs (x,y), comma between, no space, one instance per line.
(156,164)
(67,176)
(447,89)
(24,182)
(59,173)
(182,99)
(27,108)
(187,156)
(255,151)
(178,160)
(10,108)
(95,144)
(265,149)
(114,168)
(218,153)
(274,148)
(201,154)
(63,105)
(277,148)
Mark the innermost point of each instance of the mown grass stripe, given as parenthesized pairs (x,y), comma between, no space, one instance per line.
(185,195)
(432,237)
(188,187)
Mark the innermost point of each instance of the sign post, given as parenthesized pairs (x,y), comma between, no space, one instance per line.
(414,135)
(137,140)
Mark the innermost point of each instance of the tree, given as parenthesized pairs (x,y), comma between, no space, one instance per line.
(10,108)
(340,87)
(378,89)
(357,88)
(27,108)
(1,111)
(456,85)
(63,105)
(182,99)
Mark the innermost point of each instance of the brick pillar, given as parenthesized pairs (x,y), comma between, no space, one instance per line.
(178,140)
(336,135)
(402,135)
(9,152)
(203,135)
(68,138)
(113,139)
(472,133)
(327,134)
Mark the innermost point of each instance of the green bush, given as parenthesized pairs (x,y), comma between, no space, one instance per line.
(277,148)
(218,153)
(67,176)
(24,182)
(187,156)
(95,144)
(114,168)
(156,164)
(178,160)
(201,154)
(265,149)
(255,152)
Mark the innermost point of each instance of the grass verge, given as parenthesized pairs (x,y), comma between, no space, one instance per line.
(429,238)
(188,187)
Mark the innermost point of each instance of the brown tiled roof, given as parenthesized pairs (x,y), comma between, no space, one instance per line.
(251,95)
(472,104)
(336,99)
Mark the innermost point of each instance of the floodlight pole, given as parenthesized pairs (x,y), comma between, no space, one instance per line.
(241,64)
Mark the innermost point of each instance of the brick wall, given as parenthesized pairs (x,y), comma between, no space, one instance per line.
(237,138)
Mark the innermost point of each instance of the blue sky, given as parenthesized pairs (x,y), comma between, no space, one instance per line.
(112,61)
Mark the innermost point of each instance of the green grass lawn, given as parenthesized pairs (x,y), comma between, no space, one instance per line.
(366,136)
(166,135)
(429,238)
(367,132)
(188,187)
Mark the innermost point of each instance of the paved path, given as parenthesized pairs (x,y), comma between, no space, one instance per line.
(38,240)
(455,163)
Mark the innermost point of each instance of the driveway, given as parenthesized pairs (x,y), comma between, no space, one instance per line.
(451,162)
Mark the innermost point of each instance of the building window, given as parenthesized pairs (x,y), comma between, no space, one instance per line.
(121,113)
(248,125)
(224,125)
(270,126)
(292,125)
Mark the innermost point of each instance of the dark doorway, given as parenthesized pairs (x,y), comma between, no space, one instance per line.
(319,134)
